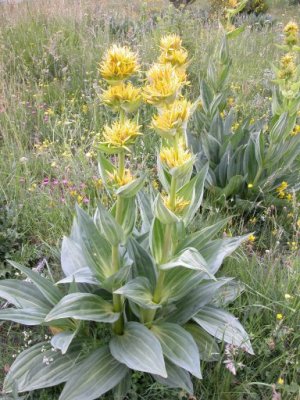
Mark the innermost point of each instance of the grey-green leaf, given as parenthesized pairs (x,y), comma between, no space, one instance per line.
(177,378)
(139,349)
(45,286)
(178,346)
(224,326)
(25,316)
(83,306)
(139,291)
(208,347)
(94,376)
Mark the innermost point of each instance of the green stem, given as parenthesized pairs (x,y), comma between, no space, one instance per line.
(118,326)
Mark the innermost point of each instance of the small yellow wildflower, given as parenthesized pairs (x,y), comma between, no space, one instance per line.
(250,185)
(288,296)
(289,197)
(296,130)
(180,204)
(79,199)
(84,109)
(73,193)
(172,118)
(121,133)
(175,157)
(98,183)
(293,246)
(232,3)
(122,97)
(281,189)
(251,238)
(164,84)
(119,63)
(279,317)
(280,381)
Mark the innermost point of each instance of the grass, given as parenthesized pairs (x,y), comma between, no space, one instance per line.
(49,114)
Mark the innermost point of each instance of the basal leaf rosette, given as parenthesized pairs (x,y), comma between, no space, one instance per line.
(122,97)
(119,63)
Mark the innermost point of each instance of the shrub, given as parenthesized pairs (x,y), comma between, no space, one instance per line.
(138,294)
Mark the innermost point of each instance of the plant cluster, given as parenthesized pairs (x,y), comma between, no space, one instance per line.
(140,291)
(250,160)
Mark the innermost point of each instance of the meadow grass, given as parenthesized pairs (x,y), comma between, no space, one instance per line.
(49,115)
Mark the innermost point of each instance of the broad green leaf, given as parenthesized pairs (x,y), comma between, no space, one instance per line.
(83,306)
(95,247)
(234,186)
(156,239)
(24,316)
(45,286)
(200,238)
(144,201)
(123,387)
(208,347)
(189,258)
(143,262)
(189,305)
(63,340)
(177,378)
(118,279)
(22,294)
(193,192)
(139,291)
(139,349)
(83,275)
(162,212)
(178,346)
(110,229)
(224,326)
(106,168)
(215,251)
(129,215)
(94,376)
(179,282)
(227,293)
(40,366)
(72,257)
(131,188)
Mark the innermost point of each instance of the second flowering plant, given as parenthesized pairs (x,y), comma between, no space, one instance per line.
(139,291)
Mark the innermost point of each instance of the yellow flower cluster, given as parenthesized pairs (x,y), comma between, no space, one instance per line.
(175,156)
(172,118)
(180,204)
(288,67)
(121,181)
(172,51)
(121,133)
(291,32)
(124,97)
(281,191)
(164,85)
(119,63)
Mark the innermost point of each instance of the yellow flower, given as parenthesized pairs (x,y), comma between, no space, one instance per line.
(251,238)
(119,63)
(288,296)
(121,133)
(121,181)
(289,197)
(180,204)
(170,42)
(288,67)
(281,189)
(172,118)
(279,317)
(280,381)
(175,157)
(250,185)
(298,223)
(178,58)
(296,130)
(291,28)
(122,97)
(292,246)
(164,84)
(84,108)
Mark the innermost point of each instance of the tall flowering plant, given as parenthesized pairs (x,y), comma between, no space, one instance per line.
(139,291)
